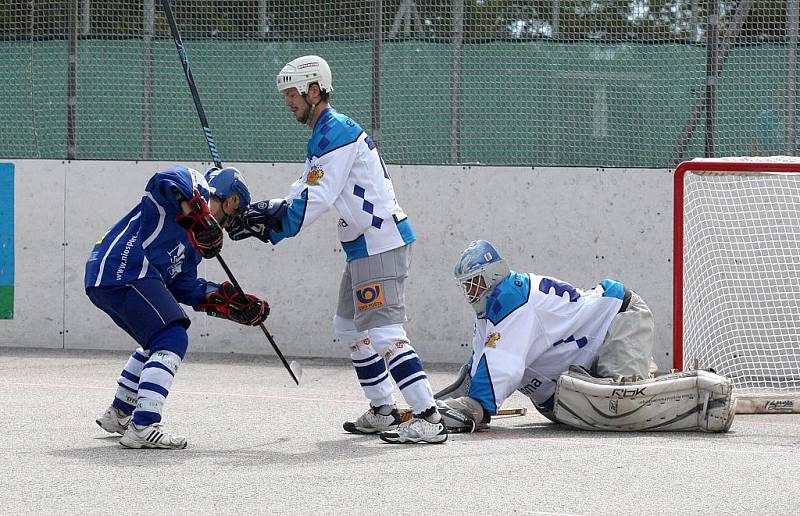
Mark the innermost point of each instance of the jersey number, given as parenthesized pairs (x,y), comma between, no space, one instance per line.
(551,286)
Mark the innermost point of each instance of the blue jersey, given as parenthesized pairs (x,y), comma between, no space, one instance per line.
(148,243)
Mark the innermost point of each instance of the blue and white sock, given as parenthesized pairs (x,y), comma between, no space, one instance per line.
(167,348)
(156,380)
(405,366)
(368,364)
(128,382)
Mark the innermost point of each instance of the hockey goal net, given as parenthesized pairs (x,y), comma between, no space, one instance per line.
(737,276)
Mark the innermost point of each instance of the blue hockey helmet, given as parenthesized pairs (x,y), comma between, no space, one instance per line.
(478,271)
(227,181)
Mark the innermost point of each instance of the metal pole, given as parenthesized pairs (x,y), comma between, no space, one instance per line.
(72,78)
(712,44)
(556,18)
(147,78)
(731,35)
(377,51)
(86,19)
(458,44)
(262,18)
(790,110)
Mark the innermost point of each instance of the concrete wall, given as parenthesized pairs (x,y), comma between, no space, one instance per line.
(580,225)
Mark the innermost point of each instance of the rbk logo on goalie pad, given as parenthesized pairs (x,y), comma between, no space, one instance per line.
(369,297)
(628,393)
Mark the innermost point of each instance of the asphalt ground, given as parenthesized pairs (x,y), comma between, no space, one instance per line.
(260,445)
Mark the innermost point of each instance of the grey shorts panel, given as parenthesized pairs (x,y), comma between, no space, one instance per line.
(628,347)
(372,291)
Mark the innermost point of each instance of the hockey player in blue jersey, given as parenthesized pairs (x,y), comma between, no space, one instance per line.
(570,350)
(344,170)
(145,265)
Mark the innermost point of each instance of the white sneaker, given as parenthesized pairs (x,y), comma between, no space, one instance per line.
(151,436)
(372,421)
(114,421)
(417,430)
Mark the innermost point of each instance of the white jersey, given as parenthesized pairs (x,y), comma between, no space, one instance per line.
(344,169)
(535,328)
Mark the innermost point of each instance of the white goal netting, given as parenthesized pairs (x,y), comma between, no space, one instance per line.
(741,277)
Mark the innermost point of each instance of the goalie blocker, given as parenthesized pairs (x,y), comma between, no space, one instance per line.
(689,401)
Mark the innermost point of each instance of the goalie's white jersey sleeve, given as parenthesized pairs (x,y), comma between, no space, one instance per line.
(535,328)
(344,169)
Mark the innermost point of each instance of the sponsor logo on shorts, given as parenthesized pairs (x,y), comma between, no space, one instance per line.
(779,406)
(314,175)
(491,340)
(369,297)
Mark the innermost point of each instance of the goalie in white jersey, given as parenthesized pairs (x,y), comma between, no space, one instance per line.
(530,330)
(344,170)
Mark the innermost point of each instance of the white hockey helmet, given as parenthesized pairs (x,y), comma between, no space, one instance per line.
(300,73)
(478,271)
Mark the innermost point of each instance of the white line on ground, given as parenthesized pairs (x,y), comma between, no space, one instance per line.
(179,391)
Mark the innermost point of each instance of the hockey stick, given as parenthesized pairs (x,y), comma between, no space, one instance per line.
(405,413)
(295,370)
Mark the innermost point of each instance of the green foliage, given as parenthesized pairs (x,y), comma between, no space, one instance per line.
(483,20)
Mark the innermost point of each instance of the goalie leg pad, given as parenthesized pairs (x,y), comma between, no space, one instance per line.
(460,414)
(688,401)
(459,387)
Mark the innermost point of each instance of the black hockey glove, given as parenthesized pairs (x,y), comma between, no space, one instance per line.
(229,303)
(205,234)
(258,220)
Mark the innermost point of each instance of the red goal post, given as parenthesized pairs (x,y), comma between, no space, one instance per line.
(736,276)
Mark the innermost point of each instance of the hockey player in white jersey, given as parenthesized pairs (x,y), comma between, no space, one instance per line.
(344,170)
(583,357)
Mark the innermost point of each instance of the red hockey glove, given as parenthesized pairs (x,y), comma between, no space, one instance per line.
(229,303)
(205,234)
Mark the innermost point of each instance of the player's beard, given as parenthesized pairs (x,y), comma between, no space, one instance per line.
(305,117)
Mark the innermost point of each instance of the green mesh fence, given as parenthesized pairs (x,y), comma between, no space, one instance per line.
(558,82)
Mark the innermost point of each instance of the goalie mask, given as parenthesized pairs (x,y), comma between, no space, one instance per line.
(478,272)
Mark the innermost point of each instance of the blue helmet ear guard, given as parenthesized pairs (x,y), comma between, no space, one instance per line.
(227,181)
